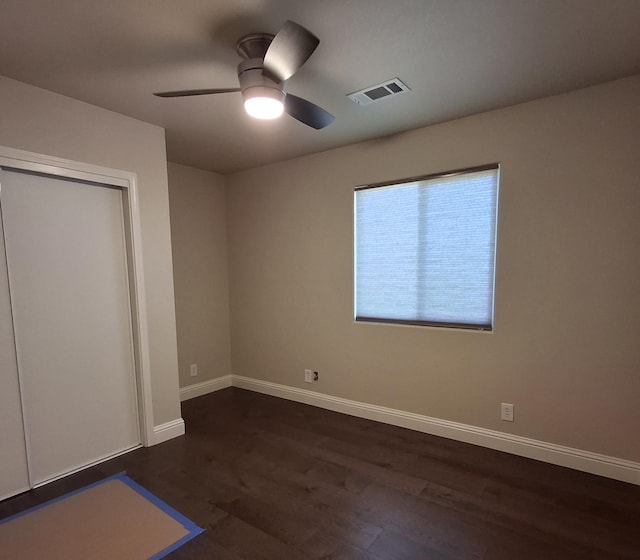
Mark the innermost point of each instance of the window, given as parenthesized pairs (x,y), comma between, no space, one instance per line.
(425,249)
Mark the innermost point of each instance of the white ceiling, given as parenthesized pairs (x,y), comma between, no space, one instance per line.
(459,57)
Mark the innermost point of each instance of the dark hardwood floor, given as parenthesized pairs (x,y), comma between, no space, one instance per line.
(272,479)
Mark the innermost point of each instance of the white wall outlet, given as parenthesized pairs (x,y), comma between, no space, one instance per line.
(506,412)
(194,370)
(310,376)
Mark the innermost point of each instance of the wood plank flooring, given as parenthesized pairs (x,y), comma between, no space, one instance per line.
(271,479)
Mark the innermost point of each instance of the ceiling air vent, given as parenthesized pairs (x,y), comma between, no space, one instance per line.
(377,92)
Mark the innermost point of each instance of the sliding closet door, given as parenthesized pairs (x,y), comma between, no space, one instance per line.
(14,476)
(67,267)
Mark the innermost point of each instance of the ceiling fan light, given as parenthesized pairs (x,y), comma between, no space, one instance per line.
(263,107)
(264,102)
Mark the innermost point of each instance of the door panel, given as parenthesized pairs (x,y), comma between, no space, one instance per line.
(67,267)
(13,458)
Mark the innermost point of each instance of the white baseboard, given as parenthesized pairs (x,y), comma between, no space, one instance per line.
(595,463)
(199,389)
(167,431)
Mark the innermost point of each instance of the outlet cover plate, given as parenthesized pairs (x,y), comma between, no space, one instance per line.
(506,412)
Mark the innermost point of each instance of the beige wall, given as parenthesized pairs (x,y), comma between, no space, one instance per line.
(199,242)
(565,348)
(39,121)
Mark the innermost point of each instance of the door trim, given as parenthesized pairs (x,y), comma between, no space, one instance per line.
(37,163)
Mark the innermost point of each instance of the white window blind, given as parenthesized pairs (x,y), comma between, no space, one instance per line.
(425,249)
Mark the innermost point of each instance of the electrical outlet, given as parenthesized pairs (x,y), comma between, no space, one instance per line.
(310,376)
(506,412)
(194,370)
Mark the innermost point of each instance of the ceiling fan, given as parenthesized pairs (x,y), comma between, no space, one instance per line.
(269,61)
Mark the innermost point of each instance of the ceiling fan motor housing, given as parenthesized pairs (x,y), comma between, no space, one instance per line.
(253,83)
(254,45)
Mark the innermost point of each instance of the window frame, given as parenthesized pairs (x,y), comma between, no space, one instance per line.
(416,322)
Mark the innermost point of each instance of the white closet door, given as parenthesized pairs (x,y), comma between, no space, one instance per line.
(14,477)
(67,266)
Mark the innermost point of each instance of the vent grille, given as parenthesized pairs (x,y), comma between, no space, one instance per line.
(379,91)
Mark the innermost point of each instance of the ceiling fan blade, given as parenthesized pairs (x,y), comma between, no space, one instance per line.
(306,112)
(189,92)
(289,50)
